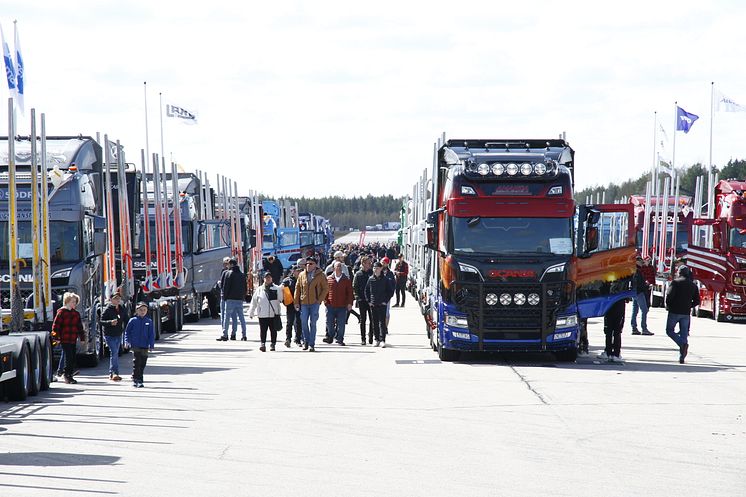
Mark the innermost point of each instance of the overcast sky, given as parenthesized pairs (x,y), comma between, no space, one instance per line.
(321,98)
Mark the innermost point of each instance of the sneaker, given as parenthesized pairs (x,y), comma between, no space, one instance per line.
(263,348)
(222,339)
(233,337)
(378,343)
(648,333)
(287,343)
(616,358)
(363,343)
(311,349)
(603,356)
(636,332)
(272,348)
(305,346)
(134,384)
(140,385)
(59,374)
(395,305)
(117,378)
(383,345)
(243,338)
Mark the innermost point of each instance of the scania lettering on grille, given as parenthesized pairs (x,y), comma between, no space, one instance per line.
(511,273)
(23,278)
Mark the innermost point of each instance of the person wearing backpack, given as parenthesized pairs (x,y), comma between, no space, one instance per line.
(293,317)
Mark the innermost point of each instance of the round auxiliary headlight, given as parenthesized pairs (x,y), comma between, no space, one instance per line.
(519,299)
(526,169)
(512,169)
(540,168)
(472,167)
(533,298)
(491,299)
(737,280)
(483,169)
(506,299)
(498,169)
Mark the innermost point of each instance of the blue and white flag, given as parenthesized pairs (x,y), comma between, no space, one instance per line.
(181,114)
(684,120)
(10,71)
(19,70)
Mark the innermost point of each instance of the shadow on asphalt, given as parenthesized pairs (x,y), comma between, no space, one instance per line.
(56,459)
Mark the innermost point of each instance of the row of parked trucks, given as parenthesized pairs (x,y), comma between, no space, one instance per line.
(77,216)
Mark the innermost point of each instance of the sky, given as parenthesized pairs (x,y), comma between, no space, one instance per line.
(346,98)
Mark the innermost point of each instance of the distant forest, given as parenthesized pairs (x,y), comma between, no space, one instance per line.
(734,169)
(355,212)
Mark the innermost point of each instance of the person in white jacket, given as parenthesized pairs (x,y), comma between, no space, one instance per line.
(266,305)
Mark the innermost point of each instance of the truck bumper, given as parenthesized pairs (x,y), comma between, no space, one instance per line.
(466,340)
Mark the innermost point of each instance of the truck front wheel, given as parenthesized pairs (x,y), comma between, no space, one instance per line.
(447,355)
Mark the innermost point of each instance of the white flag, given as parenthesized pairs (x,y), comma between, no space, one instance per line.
(20,87)
(726,104)
(664,136)
(181,114)
(664,165)
(10,71)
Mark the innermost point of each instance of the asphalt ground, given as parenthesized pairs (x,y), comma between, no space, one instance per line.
(223,418)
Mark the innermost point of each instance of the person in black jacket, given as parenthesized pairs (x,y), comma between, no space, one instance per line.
(681,297)
(640,300)
(358,287)
(274,266)
(293,317)
(613,324)
(221,284)
(234,292)
(378,293)
(113,320)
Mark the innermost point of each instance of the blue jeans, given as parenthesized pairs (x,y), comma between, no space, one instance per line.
(640,302)
(222,312)
(309,314)
(682,337)
(234,313)
(113,343)
(336,318)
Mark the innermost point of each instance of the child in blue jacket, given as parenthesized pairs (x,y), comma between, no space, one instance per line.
(140,336)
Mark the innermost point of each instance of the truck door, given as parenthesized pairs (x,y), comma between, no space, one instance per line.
(605,257)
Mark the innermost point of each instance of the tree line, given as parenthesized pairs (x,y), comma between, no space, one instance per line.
(355,212)
(733,169)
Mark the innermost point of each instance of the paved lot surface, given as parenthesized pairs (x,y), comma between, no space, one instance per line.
(222,418)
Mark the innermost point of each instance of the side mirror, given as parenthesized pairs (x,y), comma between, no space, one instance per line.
(591,239)
(201,239)
(99,236)
(252,238)
(432,230)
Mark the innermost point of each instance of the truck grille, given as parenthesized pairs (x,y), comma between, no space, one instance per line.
(516,319)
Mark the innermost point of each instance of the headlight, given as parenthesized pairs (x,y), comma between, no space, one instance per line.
(526,169)
(457,321)
(498,169)
(483,169)
(505,298)
(566,321)
(540,168)
(512,169)
(737,280)
(740,260)
(519,299)
(491,299)
(534,299)
(65,273)
(733,296)
(467,268)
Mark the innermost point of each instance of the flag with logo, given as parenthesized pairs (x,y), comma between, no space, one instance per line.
(664,136)
(10,71)
(726,104)
(20,87)
(181,114)
(684,120)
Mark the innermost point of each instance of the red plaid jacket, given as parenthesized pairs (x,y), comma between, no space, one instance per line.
(67,326)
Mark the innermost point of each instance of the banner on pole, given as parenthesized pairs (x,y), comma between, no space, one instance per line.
(20,88)
(726,104)
(181,114)
(10,70)
(684,120)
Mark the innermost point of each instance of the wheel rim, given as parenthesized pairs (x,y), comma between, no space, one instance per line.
(48,362)
(37,368)
(26,376)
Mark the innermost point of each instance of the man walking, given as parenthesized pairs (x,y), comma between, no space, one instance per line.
(640,301)
(401,272)
(338,302)
(234,292)
(378,293)
(681,297)
(613,324)
(292,316)
(310,290)
(221,285)
(358,287)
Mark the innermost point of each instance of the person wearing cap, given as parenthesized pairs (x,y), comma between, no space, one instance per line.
(339,256)
(234,293)
(640,300)
(265,303)
(139,335)
(338,304)
(293,317)
(112,320)
(378,293)
(401,272)
(274,266)
(682,296)
(310,290)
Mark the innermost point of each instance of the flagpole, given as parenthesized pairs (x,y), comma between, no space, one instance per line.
(147,134)
(675,127)
(160,104)
(710,209)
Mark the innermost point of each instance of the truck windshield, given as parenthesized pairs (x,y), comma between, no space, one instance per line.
(186,238)
(737,238)
(682,238)
(501,235)
(64,241)
(306,238)
(288,238)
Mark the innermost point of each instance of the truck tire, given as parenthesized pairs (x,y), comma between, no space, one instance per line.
(716,314)
(169,326)
(180,316)
(36,365)
(570,355)
(193,317)
(92,360)
(156,317)
(447,355)
(431,336)
(19,387)
(47,359)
